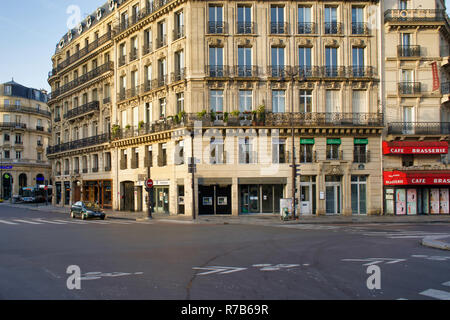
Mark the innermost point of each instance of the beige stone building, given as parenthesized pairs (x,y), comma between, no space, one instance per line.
(416,98)
(247,76)
(25,133)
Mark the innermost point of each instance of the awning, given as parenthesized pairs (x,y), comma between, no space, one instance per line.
(415,147)
(416,178)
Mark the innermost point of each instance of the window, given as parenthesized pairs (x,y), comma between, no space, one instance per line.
(331,25)
(8,90)
(6,137)
(149,158)
(333,149)
(162,108)
(162,34)
(134,158)
(216,61)
(331,104)
(278,101)
(148,112)
(7,154)
(244,19)
(179,25)
(359,197)
(244,62)
(331,69)
(162,155)
(304,61)
(279,151)
(124,119)
(304,20)
(277,25)
(18,154)
(6,102)
(148,41)
(17,103)
(360,153)
(123,159)
(358,26)
(358,61)
(245,100)
(39,156)
(18,139)
(135,13)
(216,25)
(403,4)
(305,101)
(179,65)
(306,150)
(358,103)
(162,72)
(216,100)
(6,118)
(179,153)
(216,147)
(277,62)
(180,102)
(246,155)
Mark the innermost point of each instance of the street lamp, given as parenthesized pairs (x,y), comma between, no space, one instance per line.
(1,176)
(192,166)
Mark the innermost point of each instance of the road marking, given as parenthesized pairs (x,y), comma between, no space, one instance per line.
(45,221)
(437,294)
(447,284)
(373,261)
(70,221)
(8,222)
(271,267)
(29,222)
(218,270)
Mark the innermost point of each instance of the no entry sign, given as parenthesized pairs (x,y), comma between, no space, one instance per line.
(149,183)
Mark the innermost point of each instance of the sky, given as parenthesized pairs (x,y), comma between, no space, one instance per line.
(29,32)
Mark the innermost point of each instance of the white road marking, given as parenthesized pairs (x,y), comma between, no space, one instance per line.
(46,221)
(29,222)
(8,222)
(218,270)
(447,284)
(71,221)
(373,261)
(437,294)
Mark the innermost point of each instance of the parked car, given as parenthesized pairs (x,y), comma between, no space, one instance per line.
(86,210)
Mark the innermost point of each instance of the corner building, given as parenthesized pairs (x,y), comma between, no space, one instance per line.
(415,147)
(248,78)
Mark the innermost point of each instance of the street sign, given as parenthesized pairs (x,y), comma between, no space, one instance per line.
(149,183)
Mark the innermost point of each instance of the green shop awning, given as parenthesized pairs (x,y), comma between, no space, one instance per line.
(333,141)
(307,141)
(361,141)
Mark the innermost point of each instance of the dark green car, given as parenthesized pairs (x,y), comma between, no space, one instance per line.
(86,210)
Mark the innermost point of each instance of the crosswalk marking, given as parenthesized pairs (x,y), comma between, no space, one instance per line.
(71,221)
(46,221)
(437,294)
(7,222)
(29,222)
(447,284)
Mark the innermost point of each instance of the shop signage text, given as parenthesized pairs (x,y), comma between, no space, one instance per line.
(398,178)
(440,147)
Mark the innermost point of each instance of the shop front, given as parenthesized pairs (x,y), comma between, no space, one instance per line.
(416,192)
(98,191)
(161,196)
(260,198)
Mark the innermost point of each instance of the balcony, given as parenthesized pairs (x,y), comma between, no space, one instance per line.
(278,28)
(216,71)
(109,66)
(95,170)
(419,128)
(277,71)
(306,28)
(245,28)
(85,170)
(12,125)
(106,100)
(216,27)
(21,109)
(57,119)
(39,128)
(333,28)
(108,168)
(78,144)
(83,110)
(81,53)
(161,41)
(66,172)
(360,28)
(179,75)
(147,48)
(133,54)
(162,81)
(409,88)
(408,51)
(147,86)
(361,72)
(245,71)
(333,72)
(76,171)
(128,94)
(122,60)
(178,33)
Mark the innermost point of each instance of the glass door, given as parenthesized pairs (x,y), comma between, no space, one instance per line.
(333,197)
(254,199)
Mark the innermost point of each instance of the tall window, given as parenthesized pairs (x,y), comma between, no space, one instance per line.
(8,90)
(216,100)
(304,20)
(305,101)
(277,25)
(278,101)
(246,155)
(331,69)
(179,25)
(360,152)
(304,61)
(358,61)
(162,108)
(306,150)
(358,20)
(216,147)
(216,61)
(148,112)
(333,149)
(244,62)
(359,194)
(179,152)
(216,24)
(148,41)
(279,151)
(179,65)
(162,72)
(180,102)
(245,100)
(162,34)
(277,61)
(244,19)
(331,25)
(403,4)
(358,102)
(331,104)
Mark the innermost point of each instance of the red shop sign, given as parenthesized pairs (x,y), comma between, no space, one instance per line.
(415,147)
(401,178)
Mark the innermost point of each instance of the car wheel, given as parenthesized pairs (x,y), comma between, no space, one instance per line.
(102,218)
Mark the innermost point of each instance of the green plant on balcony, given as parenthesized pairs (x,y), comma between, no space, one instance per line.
(115,131)
(128,127)
(261,114)
(201,114)
(225,117)
(140,125)
(235,113)
(212,116)
(180,117)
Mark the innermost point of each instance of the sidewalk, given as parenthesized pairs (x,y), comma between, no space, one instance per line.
(257,219)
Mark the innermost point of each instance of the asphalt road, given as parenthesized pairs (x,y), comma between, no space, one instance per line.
(122,259)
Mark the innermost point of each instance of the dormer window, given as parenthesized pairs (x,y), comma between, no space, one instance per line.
(8,90)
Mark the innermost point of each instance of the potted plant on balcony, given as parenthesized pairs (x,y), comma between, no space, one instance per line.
(201,114)
(179,118)
(115,131)
(261,114)
(225,117)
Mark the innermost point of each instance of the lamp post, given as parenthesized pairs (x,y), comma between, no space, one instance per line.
(192,167)
(1,176)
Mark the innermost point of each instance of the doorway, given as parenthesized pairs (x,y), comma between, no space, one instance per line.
(128,196)
(333,195)
(307,195)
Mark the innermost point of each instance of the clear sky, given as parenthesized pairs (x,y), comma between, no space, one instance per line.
(29,33)
(31,29)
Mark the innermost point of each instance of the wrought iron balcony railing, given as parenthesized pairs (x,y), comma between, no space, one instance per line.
(14,108)
(162,80)
(409,88)
(277,71)
(245,71)
(161,41)
(419,128)
(109,66)
(416,15)
(14,125)
(306,28)
(278,27)
(133,54)
(179,74)
(147,48)
(217,71)
(39,128)
(122,60)
(360,28)
(79,144)
(333,28)
(333,72)
(216,27)
(82,110)
(361,72)
(178,33)
(408,51)
(245,28)
(106,100)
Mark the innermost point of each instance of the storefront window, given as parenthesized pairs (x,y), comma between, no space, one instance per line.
(359,196)
(260,198)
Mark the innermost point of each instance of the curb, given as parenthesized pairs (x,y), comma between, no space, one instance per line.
(435,242)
